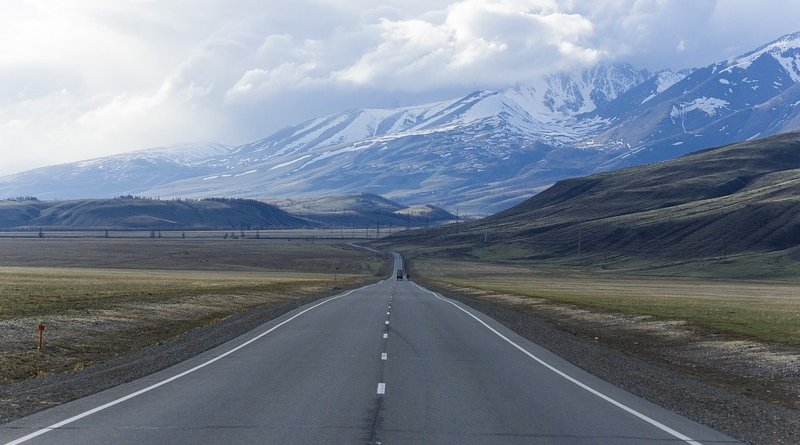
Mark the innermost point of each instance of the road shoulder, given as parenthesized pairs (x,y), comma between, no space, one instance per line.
(749,419)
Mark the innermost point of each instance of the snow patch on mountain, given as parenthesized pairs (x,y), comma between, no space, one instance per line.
(187,154)
(708,105)
(785,50)
(579,92)
(664,80)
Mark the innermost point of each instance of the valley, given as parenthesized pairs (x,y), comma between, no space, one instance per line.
(473,222)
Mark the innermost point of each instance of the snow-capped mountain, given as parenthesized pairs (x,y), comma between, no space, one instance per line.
(482,152)
(122,174)
(753,95)
(451,153)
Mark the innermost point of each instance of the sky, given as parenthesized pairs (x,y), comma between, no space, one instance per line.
(86,78)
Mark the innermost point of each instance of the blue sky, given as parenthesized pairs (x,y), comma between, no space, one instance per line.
(87,78)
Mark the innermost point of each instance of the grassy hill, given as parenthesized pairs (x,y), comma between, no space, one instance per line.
(130,213)
(738,200)
(133,213)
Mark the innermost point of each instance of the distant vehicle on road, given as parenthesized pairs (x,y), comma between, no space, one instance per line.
(399,274)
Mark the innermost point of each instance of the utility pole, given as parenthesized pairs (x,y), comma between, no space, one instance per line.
(725,244)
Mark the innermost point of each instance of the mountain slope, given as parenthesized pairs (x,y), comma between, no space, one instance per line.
(122,174)
(756,94)
(741,198)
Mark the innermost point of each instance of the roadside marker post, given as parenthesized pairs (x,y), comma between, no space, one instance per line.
(41,336)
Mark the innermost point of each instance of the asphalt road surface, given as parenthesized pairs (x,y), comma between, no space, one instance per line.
(390,363)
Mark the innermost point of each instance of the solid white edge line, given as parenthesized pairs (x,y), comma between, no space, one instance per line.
(173,378)
(578,383)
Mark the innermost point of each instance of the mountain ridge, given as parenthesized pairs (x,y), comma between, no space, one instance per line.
(482,152)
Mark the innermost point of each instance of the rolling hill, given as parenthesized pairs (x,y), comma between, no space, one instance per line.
(738,199)
(133,213)
(147,214)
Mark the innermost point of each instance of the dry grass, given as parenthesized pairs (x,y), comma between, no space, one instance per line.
(29,291)
(98,299)
(288,254)
(756,310)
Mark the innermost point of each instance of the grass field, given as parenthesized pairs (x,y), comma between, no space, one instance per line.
(100,298)
(764,311)
(295,255)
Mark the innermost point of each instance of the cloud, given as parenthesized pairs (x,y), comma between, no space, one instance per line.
(449,47)
(85,78)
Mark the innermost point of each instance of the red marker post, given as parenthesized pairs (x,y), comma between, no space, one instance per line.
(41,336)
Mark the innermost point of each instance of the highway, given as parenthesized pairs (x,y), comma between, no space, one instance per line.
(390,363)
